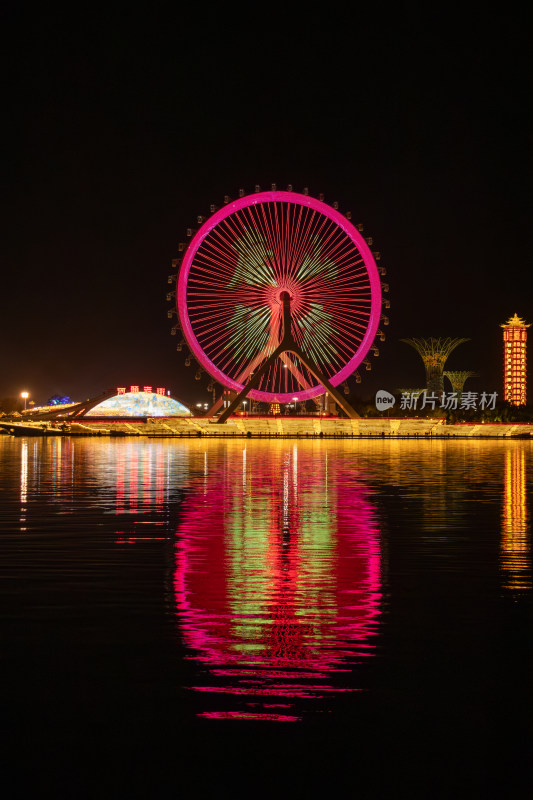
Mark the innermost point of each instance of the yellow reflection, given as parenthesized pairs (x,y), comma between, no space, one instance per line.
(23,483)
(515,533)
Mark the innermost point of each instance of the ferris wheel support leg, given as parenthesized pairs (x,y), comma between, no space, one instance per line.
(214,408)
(288,345)
(313,369)
(289,363)
(350,412)
(252,383)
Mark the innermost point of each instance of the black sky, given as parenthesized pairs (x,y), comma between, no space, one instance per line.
(119,129)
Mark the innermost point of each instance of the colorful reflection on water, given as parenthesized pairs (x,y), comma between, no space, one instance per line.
(278,581)
(273,551)
(515,560)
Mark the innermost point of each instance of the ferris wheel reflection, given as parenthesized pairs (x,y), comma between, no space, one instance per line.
(277,580)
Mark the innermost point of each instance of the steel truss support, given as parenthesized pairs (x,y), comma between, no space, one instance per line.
(287,345)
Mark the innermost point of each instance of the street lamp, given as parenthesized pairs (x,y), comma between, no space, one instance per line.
(244,404)
(25,396)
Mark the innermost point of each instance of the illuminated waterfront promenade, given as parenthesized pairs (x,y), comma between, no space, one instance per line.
(291,427)
(295,427)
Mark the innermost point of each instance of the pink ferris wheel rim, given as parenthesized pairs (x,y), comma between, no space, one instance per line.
(334,216)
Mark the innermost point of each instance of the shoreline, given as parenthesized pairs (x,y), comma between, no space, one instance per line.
(276,428)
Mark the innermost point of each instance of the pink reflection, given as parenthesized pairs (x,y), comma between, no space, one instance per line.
(277,575)
(248,715)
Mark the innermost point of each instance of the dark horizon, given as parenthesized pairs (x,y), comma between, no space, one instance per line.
(120,134)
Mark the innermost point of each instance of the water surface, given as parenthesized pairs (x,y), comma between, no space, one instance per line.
(362,600)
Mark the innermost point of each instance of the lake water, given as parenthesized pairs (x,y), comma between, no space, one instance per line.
(354,614)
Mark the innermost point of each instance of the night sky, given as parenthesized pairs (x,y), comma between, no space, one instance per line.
(119,130)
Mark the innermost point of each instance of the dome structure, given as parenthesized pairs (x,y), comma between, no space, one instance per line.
(139,404)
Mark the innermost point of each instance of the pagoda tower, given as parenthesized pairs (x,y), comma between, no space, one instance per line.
(514,360)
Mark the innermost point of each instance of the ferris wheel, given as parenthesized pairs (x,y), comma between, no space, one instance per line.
(279,296)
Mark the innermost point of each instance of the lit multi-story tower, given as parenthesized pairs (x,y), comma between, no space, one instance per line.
(514,360)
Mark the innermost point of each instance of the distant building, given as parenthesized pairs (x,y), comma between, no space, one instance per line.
(139,404)
(514,360)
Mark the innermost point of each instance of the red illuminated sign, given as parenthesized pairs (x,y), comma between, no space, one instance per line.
(135,389)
